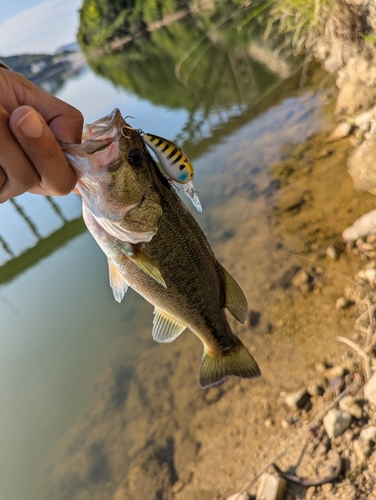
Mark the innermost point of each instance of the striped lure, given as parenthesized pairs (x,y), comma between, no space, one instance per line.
(175,165)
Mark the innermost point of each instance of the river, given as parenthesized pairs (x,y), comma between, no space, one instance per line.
(68,350)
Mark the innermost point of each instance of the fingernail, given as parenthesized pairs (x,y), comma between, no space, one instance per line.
(31,125)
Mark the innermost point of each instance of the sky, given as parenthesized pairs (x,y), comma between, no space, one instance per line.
(35,26)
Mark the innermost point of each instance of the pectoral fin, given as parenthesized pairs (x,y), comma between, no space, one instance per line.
(146,264)
(165,328)
(236,302)
(117,282)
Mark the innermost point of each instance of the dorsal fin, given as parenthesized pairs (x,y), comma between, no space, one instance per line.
(165,328)
(236,302)
(117,281)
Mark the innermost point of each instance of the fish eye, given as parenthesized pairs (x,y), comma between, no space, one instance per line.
(135,157)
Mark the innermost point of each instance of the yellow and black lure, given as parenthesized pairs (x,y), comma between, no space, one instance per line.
(174,164)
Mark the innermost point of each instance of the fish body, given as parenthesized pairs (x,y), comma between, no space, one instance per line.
(175,165)
(175,270)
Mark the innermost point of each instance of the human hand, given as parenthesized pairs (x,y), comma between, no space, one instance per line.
(31,123)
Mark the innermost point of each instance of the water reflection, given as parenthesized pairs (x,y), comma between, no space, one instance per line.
(202,64)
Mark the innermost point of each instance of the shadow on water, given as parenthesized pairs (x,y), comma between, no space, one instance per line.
(45,247)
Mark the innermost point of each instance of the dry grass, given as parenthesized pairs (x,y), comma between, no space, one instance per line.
(303,22)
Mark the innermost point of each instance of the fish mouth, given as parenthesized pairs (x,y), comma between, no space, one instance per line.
(105,130)
(109,126)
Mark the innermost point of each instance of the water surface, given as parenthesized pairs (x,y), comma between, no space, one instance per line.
(63,337)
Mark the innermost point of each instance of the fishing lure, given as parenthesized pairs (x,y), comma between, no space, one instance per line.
(174,164)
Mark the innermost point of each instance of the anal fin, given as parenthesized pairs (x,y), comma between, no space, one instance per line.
(165,328)
(236,302)
(117,281)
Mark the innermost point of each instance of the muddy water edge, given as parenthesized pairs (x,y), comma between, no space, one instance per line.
(150,432)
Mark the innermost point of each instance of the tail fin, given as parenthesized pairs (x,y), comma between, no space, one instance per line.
(237,361)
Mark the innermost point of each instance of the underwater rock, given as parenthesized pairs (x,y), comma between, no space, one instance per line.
(291,197)
(332,252)
(363,226)
(342,130)
(342,303)
(301,278)
(361,165)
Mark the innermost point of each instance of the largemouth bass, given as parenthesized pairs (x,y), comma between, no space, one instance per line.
(155,246)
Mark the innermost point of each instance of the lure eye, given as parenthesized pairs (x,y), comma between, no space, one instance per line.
(135,157)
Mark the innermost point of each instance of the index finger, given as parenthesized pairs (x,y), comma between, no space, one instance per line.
(65,121)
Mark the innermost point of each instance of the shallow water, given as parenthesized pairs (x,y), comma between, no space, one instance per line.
(84,389)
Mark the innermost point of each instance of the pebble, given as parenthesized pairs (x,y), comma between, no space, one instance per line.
(324,447)
(363,120)
(370,275)
(351,405)
(342,130)
(348,435)
(368,434)
(334,371)
(320,366)
(178,486)
(301,278)
(327,488)
(365,247)
(371,131)
(336,422)
(310,493)
(361,227)
(332,252)
(285,424)
(324,153)
(268,423)
(297,399)
(242,495)
(271,488)
(342,303)
(315,389)
(370,389)
(361,450)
